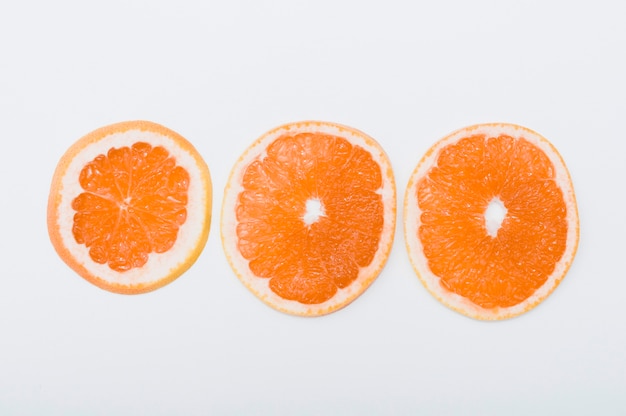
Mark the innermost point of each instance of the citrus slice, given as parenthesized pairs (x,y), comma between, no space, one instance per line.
(130,206)
(491,223)
(308,216)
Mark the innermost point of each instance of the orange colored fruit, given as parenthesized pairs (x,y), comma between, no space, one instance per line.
(130,206)
(308,216)
(491,222)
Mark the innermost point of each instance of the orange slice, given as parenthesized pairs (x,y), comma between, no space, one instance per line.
(308,216)
(130,206)
(491,223)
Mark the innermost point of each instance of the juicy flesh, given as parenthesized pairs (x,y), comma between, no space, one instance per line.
(133,204)
(498,270)
(310,215)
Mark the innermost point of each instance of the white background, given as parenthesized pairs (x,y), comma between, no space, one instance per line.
(223,73)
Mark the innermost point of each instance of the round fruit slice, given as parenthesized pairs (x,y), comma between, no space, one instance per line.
(308,216)
(130,206)
(491,223)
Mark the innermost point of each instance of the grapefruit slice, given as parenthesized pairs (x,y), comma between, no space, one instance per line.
(130,206)
(491,221)
(308,216)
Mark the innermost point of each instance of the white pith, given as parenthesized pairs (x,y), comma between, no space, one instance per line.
(260,286)
(494,215)
(412,215)
(159,265)
(313,211)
